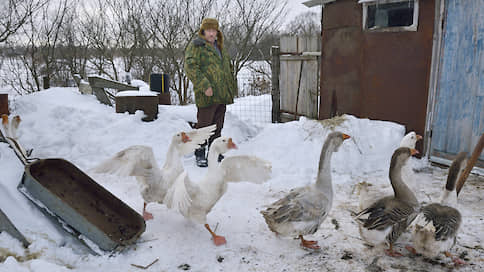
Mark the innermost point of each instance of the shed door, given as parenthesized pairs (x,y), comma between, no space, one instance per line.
(458,121)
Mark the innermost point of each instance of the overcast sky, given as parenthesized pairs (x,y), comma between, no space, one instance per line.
(296,7)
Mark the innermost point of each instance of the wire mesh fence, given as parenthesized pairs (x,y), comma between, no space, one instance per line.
(254,102)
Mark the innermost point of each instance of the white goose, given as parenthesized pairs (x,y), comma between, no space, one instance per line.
(436,226)
(410,140)
(369,194)
(387,218)
(304,209)
(140,161)
(195,200)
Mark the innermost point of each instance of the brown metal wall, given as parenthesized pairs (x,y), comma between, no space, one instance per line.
(341,59)
(376,75)
(4,104)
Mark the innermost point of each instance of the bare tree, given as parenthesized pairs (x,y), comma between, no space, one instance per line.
(73,47)
(102,31)
(15,13)
(16,73)
(174,24)
(135,36)
(46,36)
(39,37)
(246,24)
(305,24)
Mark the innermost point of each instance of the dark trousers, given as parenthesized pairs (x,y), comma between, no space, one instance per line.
(214,114)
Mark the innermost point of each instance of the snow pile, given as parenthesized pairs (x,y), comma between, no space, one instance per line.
(61,123)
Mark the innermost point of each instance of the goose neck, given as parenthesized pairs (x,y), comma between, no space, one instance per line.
(212,159)
(323,181)
(449,198)
(172,156)
(401,190)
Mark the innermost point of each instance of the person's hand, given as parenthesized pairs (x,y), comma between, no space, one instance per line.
(209,91)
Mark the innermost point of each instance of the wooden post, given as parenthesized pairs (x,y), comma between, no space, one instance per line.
(276,95)
(46,82)
(470,164)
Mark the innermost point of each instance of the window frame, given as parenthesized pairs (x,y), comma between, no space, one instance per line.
(412,27)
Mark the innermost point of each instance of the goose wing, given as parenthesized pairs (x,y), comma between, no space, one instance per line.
(245,168)
(197,138)
(299,205)
(136,160)
(386,212)
(446,220)
(178,197)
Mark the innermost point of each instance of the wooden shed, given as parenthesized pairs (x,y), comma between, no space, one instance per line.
(416,62)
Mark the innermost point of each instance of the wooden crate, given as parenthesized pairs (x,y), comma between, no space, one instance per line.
(148,104)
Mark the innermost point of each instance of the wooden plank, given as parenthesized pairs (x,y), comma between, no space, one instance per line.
(309,89)
(289,81)
(309,44)
(275,90)
(297,58)
(289,44)
(470,164)
(99,82)
(101,95)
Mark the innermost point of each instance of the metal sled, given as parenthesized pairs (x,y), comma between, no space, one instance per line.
(80,205)
(8,226)
(74,198)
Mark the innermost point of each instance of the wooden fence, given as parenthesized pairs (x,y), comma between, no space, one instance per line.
(295,78)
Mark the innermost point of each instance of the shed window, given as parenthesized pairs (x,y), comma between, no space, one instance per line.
(390,15)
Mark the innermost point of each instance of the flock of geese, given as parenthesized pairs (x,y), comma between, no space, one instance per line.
(381,220)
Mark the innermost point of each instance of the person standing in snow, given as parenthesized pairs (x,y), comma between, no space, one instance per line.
(207,65)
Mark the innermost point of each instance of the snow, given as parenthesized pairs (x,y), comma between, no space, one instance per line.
(136,93)
(62,123)
(143,86)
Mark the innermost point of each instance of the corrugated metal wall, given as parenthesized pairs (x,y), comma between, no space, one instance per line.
(377,75)
(458,120)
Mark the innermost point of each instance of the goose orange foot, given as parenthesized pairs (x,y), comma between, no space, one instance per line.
(392,253)
(411,250)
(308,243)
(219,240)
(147,215)
(456,260)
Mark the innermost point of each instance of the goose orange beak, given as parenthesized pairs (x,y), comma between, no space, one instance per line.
(419,137)
(346,136)
(231,145)
(414,151)
(185,137)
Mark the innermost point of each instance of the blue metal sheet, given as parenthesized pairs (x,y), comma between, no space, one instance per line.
(459,117)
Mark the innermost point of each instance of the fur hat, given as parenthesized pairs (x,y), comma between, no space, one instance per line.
(212,23)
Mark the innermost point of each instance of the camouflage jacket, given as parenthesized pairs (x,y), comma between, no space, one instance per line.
(205,69)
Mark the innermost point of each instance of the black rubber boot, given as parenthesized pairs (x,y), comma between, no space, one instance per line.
(200,157)
(220,157)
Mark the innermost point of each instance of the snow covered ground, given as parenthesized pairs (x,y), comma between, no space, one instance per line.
(62,123)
